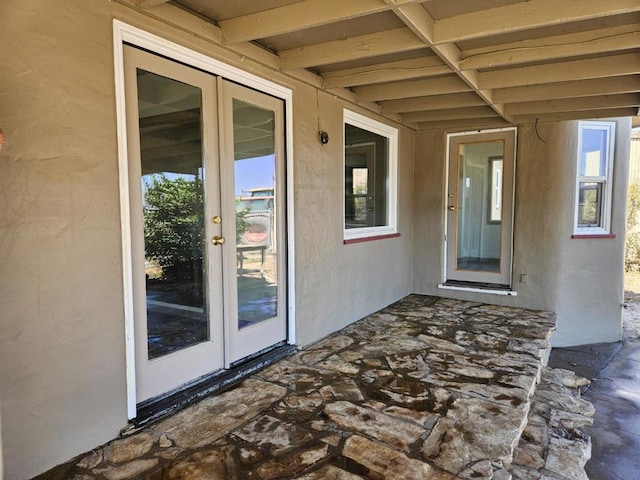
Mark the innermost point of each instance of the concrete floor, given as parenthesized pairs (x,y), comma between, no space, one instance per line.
(615,393)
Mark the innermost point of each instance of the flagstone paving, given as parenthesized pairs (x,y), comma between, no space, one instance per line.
(426,388)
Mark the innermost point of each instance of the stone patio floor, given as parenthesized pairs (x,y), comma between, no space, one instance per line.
(427,388)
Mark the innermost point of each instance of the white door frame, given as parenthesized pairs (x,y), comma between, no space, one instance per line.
(122,33)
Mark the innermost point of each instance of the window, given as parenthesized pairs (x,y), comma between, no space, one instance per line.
(370,159)
(594,178)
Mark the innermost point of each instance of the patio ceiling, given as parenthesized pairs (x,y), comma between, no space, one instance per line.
(443,63)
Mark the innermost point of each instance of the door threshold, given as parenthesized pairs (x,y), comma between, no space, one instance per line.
(477,287)
(156,408)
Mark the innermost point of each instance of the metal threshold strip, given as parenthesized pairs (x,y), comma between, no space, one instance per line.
(154,409)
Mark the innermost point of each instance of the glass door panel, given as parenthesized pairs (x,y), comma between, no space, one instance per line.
(177,279)
(173,214)
(255,189)
(253,163)
(480,207)
(479,219)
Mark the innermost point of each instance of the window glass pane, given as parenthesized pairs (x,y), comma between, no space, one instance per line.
(590,204)
(366,170)
(593,162)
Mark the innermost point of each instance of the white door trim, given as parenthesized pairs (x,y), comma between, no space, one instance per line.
(511,218)
(122,33)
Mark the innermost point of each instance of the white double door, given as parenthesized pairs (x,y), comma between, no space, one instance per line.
(207,203)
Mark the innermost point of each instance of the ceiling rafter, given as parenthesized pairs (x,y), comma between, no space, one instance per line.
(413,88)
(618,38)
(610,66)
(433,102)
(386,72)
(574,104)
(473,123)
(295,17)
(149,3)
(450,114)
(577,115)
(525,16)
(423,25)
(580,88)
(352,48)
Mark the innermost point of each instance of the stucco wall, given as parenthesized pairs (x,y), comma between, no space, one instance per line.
(580,280)
(589,302)
(61,329)
(62,341)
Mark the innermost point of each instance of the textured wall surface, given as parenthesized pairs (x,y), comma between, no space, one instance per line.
(580,280)
(61,328)
(62,341)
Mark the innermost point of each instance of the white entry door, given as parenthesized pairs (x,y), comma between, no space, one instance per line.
(206,215)
(480,207)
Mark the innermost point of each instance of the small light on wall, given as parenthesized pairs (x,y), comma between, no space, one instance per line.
(1,138)
(324,137)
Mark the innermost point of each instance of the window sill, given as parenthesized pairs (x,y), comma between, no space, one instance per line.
(349,241)
(510,293)
(592,236)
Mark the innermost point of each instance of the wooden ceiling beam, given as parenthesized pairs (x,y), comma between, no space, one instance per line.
(149,3)
(353,48)
(422,24)
(450,114)
(604,40)
(574,104)
(295,17)
(473,123)
(580,88)
(434,102)
(609,66)
(386,72)
(525,16)
(416,18)
(578,115)
(409,89)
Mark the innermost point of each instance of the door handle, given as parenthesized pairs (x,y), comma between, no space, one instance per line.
(452,208)
(216,240)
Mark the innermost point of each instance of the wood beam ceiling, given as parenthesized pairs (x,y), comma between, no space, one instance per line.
(581,88)
(418,73)
(352,48)
(610,66)
(386,72)
(603,40)
(526,16)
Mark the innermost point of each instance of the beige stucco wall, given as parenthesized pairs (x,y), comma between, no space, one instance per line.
(62,340)
(580,280)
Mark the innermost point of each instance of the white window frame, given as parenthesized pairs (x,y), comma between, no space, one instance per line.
(606,180)
(391,134)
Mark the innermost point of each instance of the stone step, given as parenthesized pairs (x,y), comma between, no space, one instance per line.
(426,388)
(552,445)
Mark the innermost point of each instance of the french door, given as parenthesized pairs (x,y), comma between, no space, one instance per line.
(206,188)
(480,207)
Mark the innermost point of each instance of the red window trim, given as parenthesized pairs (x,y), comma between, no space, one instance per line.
(370,239)
(593,237)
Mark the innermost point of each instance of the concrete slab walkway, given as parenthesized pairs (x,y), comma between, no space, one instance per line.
(615,393)
(426,388)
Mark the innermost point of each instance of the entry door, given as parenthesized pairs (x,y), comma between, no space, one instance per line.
(203,272)
(480,207)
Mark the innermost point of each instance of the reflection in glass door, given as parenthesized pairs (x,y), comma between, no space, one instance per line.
(480,206)
(252,163)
